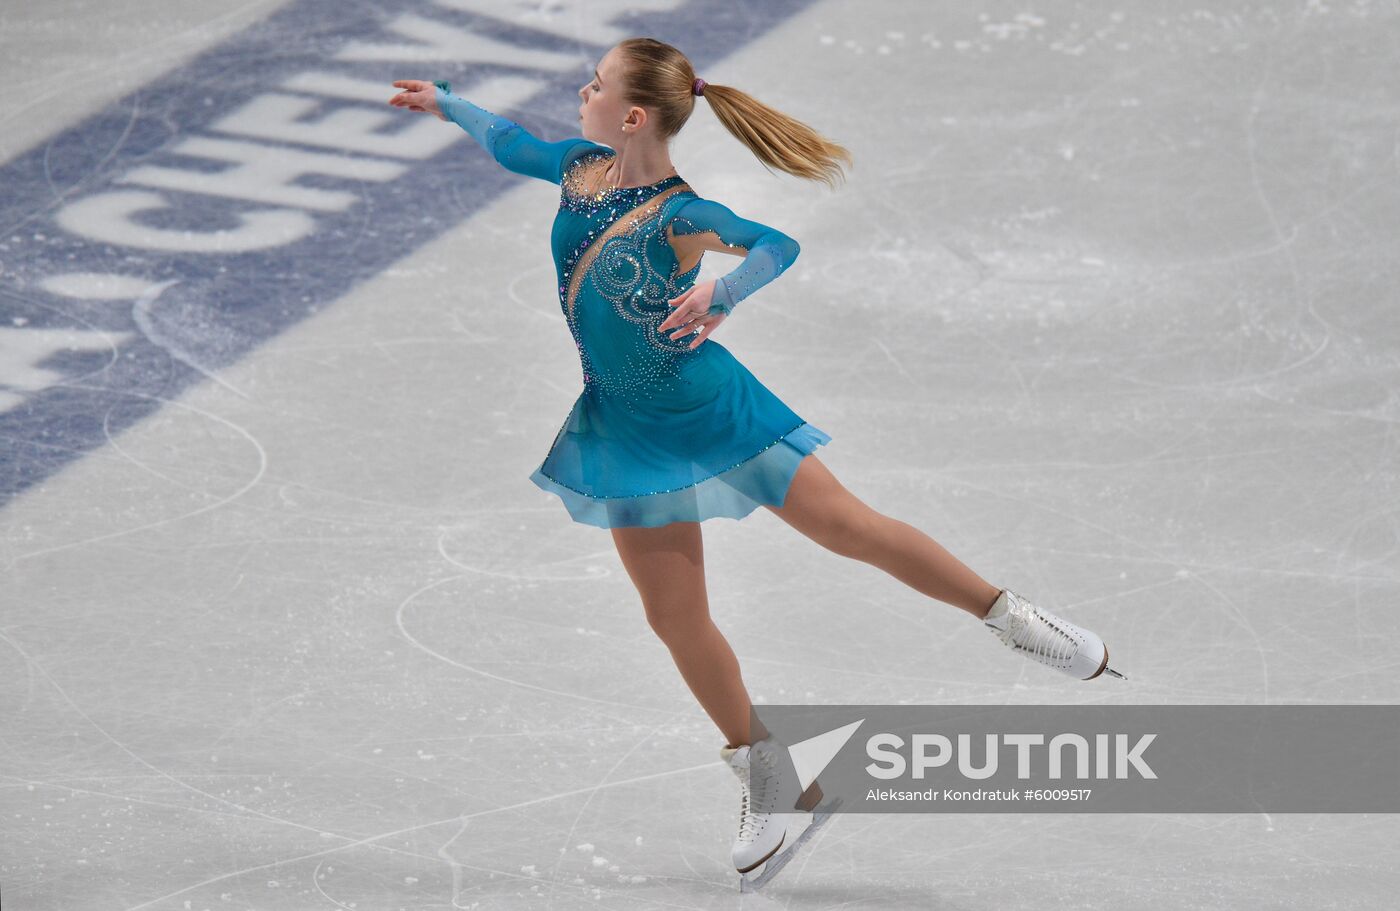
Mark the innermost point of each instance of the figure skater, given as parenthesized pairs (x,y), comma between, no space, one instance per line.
(670,429)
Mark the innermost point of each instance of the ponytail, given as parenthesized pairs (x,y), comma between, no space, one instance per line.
(661,78)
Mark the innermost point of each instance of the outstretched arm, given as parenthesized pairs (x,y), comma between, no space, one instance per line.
(516,148)
(703,224)
(513,146)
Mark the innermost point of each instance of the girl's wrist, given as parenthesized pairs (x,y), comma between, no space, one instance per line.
(721,303)
(442,95)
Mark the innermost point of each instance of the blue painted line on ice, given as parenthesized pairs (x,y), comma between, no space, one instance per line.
(173,232)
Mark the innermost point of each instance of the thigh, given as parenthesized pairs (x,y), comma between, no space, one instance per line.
(666,564)
(820,506)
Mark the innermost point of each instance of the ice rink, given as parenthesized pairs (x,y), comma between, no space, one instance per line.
(1107,306)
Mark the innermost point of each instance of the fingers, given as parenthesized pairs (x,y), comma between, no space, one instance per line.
(677,315)
(414,101)
(704,334)
(415,94)
(700,321)
(687,321)
(680,321)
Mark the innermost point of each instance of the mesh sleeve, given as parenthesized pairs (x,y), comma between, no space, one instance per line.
(513,146)
(767,251)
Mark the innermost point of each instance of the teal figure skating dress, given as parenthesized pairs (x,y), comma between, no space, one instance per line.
(661,432)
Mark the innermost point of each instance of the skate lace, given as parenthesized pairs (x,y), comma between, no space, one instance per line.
(1027,628)
(748,817)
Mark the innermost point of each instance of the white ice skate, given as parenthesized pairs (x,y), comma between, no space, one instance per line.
(762,824)
(1048,639)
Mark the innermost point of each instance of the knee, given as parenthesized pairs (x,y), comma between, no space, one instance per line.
(853,533)
(676,620)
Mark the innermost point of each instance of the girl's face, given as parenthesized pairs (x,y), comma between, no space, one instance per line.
(602,111)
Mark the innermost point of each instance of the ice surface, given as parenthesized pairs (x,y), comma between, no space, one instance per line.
(1106,307)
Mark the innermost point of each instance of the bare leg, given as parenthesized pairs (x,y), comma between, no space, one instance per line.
(822,509)
(667,565)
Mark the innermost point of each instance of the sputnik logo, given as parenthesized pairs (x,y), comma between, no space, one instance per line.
(810,757)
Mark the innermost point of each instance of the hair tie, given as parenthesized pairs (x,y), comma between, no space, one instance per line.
(698,87)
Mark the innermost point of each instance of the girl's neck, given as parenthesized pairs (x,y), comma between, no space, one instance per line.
(632,168)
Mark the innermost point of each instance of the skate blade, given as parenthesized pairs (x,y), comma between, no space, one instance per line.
(751,883)
(1105,669)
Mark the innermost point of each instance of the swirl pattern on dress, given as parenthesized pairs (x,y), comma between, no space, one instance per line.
(623,275)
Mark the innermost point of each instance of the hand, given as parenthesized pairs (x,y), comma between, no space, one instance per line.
(692,312)
(417,95)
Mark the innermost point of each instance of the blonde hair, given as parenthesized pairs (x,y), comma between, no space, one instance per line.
(659,77)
